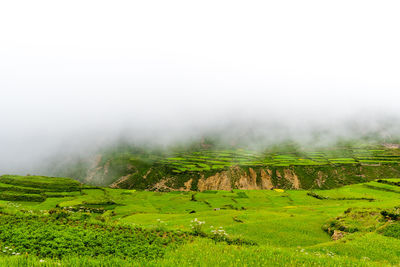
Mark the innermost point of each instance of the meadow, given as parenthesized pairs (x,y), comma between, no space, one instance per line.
(98,226)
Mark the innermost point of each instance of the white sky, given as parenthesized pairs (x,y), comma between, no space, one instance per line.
(70,66)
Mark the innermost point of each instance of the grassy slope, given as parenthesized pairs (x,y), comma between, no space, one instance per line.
(287,226)
(353,163)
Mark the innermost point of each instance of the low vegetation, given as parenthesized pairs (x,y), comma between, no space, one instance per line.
(56,236)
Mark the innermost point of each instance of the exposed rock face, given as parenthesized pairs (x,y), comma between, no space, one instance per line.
(219,181)
(266,182)
(188,185)
(246,181)
(292,177)
(236,177)
(249,178)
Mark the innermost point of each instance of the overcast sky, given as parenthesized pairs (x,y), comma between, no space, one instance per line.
(70,68)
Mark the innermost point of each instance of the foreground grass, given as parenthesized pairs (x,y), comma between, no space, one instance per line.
(58,237)
(206,253)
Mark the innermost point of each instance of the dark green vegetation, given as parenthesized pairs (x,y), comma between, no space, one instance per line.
(354,225)
(57,236)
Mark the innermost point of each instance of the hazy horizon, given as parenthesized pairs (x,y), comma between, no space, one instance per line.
(79,75)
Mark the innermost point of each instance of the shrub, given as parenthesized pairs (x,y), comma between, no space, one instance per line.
(56,236)
(392,230)
(242,195)
(393,214)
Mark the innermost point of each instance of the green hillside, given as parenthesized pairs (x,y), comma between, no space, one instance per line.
(214,167)
(354,225)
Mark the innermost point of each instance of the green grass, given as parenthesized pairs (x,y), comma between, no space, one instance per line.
(36,188)
(142,228)
(46,183)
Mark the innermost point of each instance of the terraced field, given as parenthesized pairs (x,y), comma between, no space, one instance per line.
(218,159)
(36,188)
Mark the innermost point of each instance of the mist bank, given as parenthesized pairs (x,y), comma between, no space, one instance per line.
(46,151)
(161,75)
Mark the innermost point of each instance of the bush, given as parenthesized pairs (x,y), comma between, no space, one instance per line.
(56,236)
(242,195)
(392,230)
(393,214)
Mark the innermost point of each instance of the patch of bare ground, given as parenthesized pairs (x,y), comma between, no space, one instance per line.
(120,181)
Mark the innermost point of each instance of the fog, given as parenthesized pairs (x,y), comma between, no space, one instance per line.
(79,75)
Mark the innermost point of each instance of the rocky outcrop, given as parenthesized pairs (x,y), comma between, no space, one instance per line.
(266,182)
(246,180)
(291,176)
(219,181)
(251,178)
(237,178)
(188,185)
